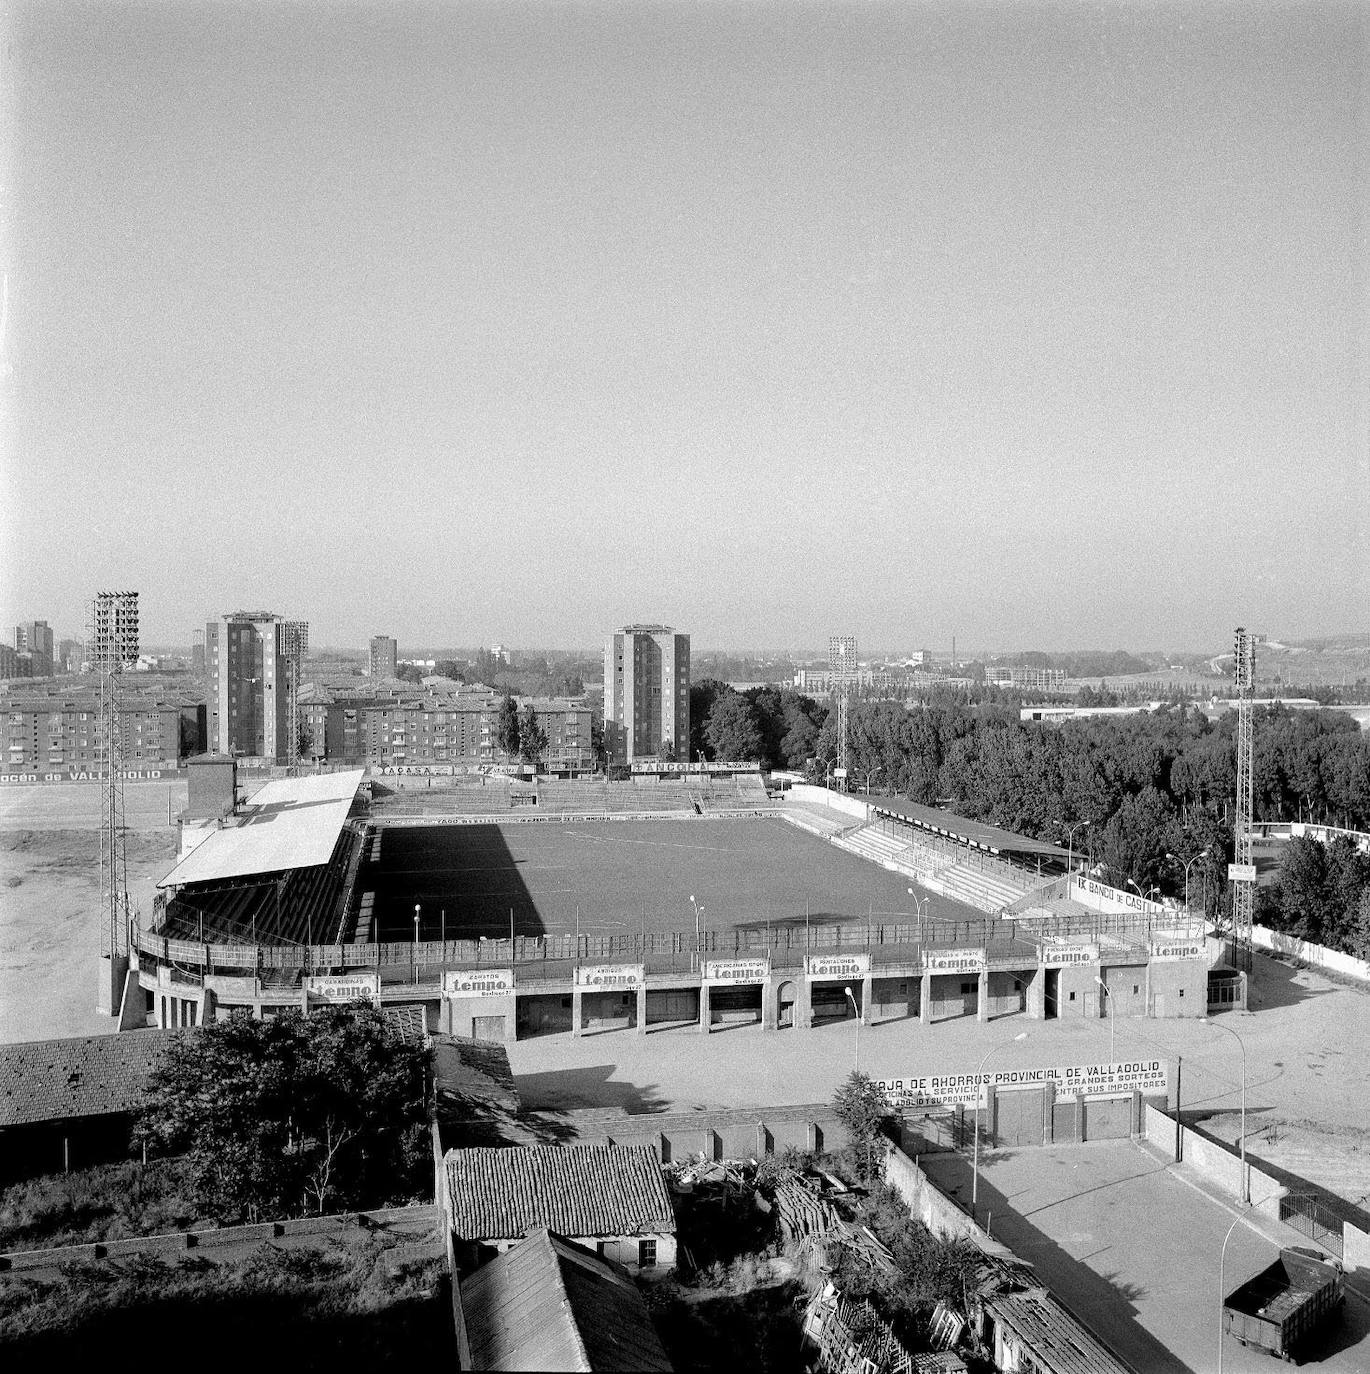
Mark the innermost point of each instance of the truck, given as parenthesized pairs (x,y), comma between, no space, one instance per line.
(1278,1309)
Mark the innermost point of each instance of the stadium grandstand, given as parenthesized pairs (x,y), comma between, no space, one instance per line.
(279,870)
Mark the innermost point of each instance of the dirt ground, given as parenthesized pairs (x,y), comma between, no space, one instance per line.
(50,899)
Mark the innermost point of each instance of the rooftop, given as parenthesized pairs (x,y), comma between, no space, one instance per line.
(93,1075)
(577,1190)
(550,1304)
(289,823)
(977,834)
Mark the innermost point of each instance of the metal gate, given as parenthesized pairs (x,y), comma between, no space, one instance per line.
(1018,1117)
(1107,1118)
(1305,1213)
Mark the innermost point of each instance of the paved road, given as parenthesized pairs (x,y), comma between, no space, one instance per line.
(1134,1247)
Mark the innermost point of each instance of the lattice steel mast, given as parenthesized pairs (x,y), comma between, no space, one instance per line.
(842,667)
(294,647)
(1243,872)
(113,644)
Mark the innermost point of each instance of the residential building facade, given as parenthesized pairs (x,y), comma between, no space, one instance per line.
(34,638)
(248,685)
(647,693)
(384,657)
(62,734)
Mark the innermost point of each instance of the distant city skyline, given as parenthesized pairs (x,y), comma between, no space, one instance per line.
(1040,326)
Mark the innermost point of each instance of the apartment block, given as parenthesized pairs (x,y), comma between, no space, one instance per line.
(246,665)
(646,693)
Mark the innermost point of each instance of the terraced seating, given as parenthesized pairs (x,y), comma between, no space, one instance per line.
(817,820)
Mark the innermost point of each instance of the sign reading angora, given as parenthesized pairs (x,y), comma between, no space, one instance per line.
(728,972)
(1072,1082)
(821,966)
(479,982)
(605,977)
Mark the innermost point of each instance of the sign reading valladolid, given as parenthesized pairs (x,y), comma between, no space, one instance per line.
(818,966)
(602,977)
(344,987)
(1072,1082)
(479,982)
(727,972)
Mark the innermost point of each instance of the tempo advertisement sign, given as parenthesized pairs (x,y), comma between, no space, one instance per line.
(731,972)
(1166,951)
(345,987)
(1068,956)
(479,982)
(1072,1082)
(954,960)
(606,977)
(818,967)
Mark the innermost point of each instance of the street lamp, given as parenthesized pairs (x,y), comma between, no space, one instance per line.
(975,1166)
(870,773)
(856,1067)
(1202,854)
(1241,1143)
(1070,843)
(920,907)
(414,962)
(699,916)
(1222,1261)
(1112,1019)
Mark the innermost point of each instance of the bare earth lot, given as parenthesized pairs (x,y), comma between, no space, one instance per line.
(50,898)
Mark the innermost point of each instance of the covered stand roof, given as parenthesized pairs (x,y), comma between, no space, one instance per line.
(977,834)
(289,823)
(549,1304)
(577,1190)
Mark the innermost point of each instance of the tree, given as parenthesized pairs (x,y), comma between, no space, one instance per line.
(449,667)
(861,1105)
(703,695)
(731,731)
(598,746)
(304,741)
(409,672)
(293,1114)
(532,737)
(507,729)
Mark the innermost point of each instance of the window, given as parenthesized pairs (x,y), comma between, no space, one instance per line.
(646,1253)
(1072,996)
(1135,989)
(968,988)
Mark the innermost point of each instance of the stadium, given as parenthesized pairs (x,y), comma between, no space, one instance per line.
(505,909)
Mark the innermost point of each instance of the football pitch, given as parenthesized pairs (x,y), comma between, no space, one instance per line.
(621,877)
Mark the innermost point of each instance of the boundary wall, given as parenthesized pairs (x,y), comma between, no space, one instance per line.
(1221,1165)
(1319,956)
(419,1222)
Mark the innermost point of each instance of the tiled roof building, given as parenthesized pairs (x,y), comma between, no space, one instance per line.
(609,1197)
(550,1304)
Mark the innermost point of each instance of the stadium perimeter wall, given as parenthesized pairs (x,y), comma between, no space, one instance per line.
(1277,942)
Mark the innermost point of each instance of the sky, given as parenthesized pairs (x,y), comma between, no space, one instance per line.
(1040,325)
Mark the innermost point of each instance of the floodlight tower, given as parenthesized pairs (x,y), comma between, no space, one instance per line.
(294,647)
(113,646)
(1243,872)
(842,666)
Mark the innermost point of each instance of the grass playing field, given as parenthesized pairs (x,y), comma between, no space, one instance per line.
(627,876)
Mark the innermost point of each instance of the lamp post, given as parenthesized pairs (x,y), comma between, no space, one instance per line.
(870,773)
(1070,844)
(1222,1262)
(856,1066)
(920,907)
(699,916)
(1241,1143)
(975,1165)
(1112,1019)
(1202,854)
(414,962)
